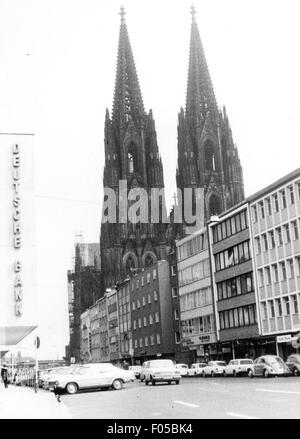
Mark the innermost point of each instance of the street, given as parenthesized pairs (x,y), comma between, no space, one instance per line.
(194,398)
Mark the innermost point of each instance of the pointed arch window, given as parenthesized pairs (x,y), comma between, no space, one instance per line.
(131,159)
(214,205)
(209,156)
(149,261)
(130,263)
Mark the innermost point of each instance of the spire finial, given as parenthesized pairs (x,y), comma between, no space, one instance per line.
(122,13)
(193,12)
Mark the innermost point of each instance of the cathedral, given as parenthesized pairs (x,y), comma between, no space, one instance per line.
(207,159)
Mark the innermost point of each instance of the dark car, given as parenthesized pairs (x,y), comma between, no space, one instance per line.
(293,363)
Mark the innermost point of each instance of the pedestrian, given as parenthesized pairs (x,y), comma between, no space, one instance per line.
(4,375)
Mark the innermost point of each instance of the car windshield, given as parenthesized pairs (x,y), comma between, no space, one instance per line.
(246,361)
(161,363)
(220,363)
(276,360)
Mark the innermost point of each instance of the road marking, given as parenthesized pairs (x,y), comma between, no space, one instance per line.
(278,391)
(239,415)
(189,404)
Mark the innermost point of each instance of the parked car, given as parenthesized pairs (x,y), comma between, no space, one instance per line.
(182,368)
(136,370)
(142,375)
(196,369)
(47,376)
(88,376)
(161,370)
(293,363)
(242,366)
(269,365)
(214,368)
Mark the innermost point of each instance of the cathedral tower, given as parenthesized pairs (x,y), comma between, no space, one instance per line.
(131,156)
(207,155)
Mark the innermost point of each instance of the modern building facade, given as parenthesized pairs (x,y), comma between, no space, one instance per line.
(195,295)
(207,155)
(124,308)
(152,327)
(113,324)
(275,225)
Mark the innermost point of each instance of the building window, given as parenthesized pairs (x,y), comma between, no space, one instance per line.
(261,277)
(279,236)
(156,317)
(272,239)
(268,275)
(291,268)
(141,342)
(146,341)
(269,204)
(134,324)
(271,308)
(176,314)
(295,230)
(157,339)
(149,298)
(133,306)
(142,281)
(135,344)
(173,270)
(264,311)
(150,319)
(137,284)
(295,304)
(262,209)
(155,295)
(152,340)
(292,195)
(140,323)
(287,309)
(148,278)
(154,273)
(145,321)
(279,307)
(177,337)
(298,264)
(276,203)
(144,301)
(174,292)
(287,233)
(283,199)
(275,272)
(138,303)
(257,245)
(265,241)
(283,270)
(254,213)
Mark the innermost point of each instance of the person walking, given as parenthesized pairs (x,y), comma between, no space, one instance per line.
(4,375)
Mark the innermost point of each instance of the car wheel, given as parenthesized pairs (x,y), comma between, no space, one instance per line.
(117,384)
(266,373)
(177,381)
(146,382)
(295,372)
(153,383)
(250,373)
(234,373)
(212,374)
(169,382)
(71,388)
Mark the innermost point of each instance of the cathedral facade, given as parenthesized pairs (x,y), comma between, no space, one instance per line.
(131,157)
(207,155)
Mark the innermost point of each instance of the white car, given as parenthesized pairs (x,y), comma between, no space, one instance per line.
(196,369)
(214,368)
(242,366)
(93,375)
(161,370)
(182,369)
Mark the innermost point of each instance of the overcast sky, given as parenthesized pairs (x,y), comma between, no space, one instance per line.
(57,72)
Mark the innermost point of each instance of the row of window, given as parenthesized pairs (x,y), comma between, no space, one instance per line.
(141,282)
(192,247)
(196,299)
(146,321)
(275,202)
(237,317)
(277,237)
(235,286)
(233,256)
(195,272)
(145,342)
(230,227)
(138,303)
(280,271)
(198,325)
(278,307)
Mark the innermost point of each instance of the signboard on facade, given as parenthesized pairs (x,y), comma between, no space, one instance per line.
(284,338)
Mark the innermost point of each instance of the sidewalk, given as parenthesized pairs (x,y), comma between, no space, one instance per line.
(24,403)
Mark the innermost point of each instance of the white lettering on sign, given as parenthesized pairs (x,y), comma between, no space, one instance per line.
(284,338)
(17,229)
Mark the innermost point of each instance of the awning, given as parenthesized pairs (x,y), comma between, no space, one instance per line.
(12,335)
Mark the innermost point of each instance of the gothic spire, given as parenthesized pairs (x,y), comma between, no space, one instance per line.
(128,102)
(200,98)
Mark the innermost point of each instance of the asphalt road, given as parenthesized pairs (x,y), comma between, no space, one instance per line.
(193,398)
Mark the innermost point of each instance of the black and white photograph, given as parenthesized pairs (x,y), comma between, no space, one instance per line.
(149,212)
